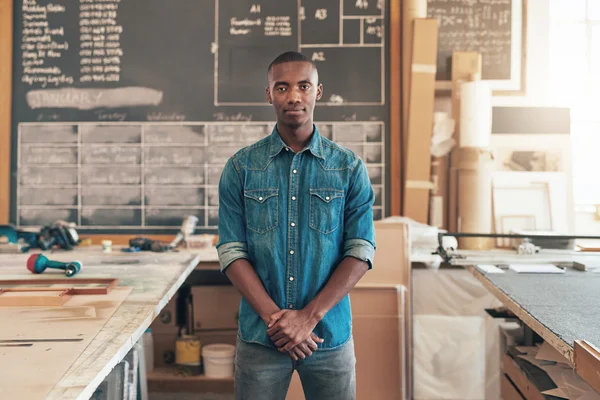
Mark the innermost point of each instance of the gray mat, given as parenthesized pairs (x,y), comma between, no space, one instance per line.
(567,304)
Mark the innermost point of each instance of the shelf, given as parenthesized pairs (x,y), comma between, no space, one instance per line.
(171,380)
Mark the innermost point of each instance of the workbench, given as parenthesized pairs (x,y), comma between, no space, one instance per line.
(152,279)
(562,308)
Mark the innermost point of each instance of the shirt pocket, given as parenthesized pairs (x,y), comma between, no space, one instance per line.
(324,209)
(262,209)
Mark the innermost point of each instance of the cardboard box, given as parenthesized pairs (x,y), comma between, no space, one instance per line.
(215,307)
(166,321)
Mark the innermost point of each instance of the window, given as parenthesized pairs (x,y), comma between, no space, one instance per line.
(575,82)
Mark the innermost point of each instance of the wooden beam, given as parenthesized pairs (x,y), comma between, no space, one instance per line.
(587,363)
(396,144)
(6,43)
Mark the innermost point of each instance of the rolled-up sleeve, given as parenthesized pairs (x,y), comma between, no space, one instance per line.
(359,230)
(232,231)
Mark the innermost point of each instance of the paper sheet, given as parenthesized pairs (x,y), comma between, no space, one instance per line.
(490,269)
(557,393)
(536,269)
(590,396)
(549,353)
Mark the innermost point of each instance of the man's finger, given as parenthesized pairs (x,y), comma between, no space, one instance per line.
(277,336)
(281,342)
(311,344)
(305,349)
(316,338)
(299,353)
(273,329)
(293,355)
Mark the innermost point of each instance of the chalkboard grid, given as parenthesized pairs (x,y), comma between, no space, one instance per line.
(148,176)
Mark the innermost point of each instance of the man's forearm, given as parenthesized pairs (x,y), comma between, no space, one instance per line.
(343,279)
(243,276)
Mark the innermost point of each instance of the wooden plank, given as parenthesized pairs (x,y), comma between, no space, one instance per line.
(6,45)
(51,359)
(520,380)
(587,363)
(508,390)
(420,120)
(396,143)
(558,344)
(170,380)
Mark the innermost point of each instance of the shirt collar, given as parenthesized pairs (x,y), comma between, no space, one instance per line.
(314,146)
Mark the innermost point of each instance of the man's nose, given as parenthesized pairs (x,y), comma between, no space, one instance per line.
(294,96)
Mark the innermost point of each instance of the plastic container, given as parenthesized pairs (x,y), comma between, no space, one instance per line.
(148,343)
(218,360)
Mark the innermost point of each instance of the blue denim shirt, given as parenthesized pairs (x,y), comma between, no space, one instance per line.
(295,216)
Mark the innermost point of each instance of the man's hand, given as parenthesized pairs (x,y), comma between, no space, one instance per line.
(290,328)
(306,348)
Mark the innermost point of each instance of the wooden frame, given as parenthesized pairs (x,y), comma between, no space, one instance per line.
(443,87)
(62,294)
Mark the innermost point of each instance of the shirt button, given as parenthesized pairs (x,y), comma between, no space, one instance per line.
(327,198)
(293,197)
(291,278)
(291,306)
(295,171)
(293,224)
(287,149)
(291,251)
(260,198)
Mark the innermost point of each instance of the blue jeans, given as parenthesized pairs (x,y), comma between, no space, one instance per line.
(263,373)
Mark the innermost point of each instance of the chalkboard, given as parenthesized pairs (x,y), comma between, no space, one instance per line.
(492,27)
(125,112)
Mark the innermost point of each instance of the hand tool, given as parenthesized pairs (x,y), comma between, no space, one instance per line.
(37,263)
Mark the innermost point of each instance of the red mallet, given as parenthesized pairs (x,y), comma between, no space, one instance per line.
(37,263)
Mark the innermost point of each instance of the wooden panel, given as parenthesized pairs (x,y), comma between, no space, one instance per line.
(529,390)
(168,380)
(6,38)
(508,390)
(396,129)
(420,120)
(587,363)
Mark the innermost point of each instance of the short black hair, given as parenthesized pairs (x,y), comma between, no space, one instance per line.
(290,56)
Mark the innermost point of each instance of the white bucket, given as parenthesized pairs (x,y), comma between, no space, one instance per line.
(218,360)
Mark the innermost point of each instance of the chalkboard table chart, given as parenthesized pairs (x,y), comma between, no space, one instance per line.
(496,29)
(124,113)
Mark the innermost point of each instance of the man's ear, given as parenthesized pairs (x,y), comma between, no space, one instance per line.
(268,93)
(319,91)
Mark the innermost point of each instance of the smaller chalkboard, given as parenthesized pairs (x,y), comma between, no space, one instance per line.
(493,28)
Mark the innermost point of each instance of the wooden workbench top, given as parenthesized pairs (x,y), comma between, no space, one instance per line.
(153,278)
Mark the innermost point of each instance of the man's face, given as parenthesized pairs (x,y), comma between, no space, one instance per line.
(293,91)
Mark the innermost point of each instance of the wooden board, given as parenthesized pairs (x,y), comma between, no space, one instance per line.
(6,44)
(420,120)
(44,363)
(154,279)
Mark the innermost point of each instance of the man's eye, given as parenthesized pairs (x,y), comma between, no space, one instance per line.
(305,87)
(281,89)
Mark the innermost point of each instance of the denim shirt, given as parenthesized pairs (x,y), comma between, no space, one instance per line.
(294,217)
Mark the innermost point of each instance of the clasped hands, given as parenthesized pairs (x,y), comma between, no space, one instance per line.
(292,333)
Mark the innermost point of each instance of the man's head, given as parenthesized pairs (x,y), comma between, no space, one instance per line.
(293,89)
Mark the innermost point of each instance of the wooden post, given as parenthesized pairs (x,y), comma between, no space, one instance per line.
(396,143)
(6,43)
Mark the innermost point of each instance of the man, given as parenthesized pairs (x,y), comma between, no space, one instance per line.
(295,236)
